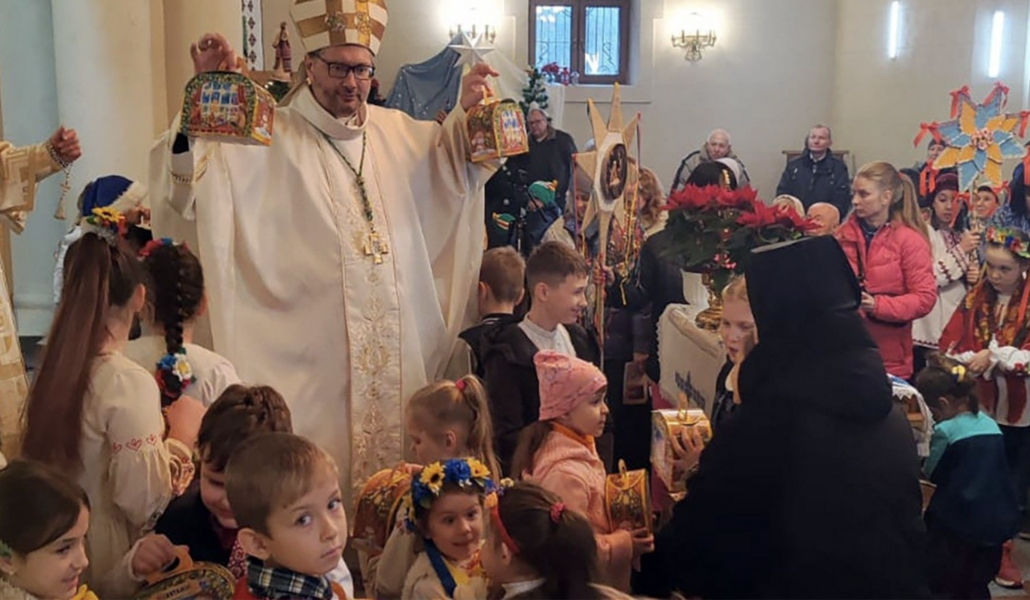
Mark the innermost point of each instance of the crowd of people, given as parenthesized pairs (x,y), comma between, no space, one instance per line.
(340,373)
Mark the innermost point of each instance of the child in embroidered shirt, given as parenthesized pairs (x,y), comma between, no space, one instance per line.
(447,508)
(990,335)
(558,453)
(285,495)
(43,523)
(175,300)
(444,420)
(96,416)
(973,510)
(536,547)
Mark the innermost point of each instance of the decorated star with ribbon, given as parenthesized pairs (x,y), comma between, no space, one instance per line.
(978,138)
(472,51)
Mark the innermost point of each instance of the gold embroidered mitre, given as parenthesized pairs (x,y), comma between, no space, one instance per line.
(324,23)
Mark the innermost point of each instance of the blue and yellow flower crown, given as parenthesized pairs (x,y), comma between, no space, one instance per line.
(106,222)
(1013,240)
(466,473)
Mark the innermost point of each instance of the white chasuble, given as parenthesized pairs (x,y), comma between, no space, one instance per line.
(20,170)
(295,300)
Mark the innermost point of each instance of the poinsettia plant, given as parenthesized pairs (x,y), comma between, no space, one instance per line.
(552,69)
(713,230)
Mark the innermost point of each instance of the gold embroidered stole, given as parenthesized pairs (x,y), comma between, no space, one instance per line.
(373,316)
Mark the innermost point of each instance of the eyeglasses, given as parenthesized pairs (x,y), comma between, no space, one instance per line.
(339,70)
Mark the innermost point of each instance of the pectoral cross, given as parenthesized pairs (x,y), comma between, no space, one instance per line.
(376,247)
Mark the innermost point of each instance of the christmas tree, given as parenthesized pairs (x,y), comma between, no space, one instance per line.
(534,92)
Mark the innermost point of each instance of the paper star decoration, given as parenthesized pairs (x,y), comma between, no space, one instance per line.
(611,175)
(980,138)
(608,137)
(472,50)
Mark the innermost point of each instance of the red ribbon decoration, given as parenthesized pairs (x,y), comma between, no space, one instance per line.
(925,128)
(964,197)
(955,98)
(927,179)
(998,87)
(1023,117)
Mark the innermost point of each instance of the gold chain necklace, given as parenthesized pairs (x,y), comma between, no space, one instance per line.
(374,245)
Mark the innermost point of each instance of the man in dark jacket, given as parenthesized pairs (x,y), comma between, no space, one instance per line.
(817,175)
(812,488)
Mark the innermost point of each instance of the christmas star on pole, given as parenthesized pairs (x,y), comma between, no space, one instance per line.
(611,174)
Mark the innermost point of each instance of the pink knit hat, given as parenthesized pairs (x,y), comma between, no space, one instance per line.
(565,382)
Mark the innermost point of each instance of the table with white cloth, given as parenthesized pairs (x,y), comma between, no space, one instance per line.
(690,358)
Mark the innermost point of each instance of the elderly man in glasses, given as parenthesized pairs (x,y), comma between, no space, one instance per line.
(338,261)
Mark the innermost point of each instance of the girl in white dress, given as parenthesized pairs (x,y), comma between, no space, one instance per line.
(175,299)
(96,416)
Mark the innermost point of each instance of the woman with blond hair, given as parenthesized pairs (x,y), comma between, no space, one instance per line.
(739,336)
(651,203)
(887,244)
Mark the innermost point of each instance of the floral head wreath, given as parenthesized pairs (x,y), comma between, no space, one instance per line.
(466,473)
(154,244)
(106,222)
(5,550)
(1013,240)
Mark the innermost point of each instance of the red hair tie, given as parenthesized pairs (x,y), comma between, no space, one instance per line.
(556,510)
(460,384)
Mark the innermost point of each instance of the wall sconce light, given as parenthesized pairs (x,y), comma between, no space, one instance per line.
(699,37)
(489,33)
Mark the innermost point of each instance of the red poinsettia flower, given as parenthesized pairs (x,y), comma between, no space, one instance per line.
(693,198)
(789,218)
(761,216)
(741,199)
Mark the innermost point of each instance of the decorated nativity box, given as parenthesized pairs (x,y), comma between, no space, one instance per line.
(627,499)
(664,425)
(496,129)
(186,580)
(228,107)
(377,508)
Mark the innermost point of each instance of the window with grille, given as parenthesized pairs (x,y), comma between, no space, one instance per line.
(588,37)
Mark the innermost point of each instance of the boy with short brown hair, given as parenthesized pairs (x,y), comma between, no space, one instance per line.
(286,497)
(201,518)
(502,280)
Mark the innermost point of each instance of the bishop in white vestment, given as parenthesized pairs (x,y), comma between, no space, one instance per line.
(339,261)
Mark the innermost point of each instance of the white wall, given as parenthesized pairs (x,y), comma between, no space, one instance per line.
(944,44)
(738,85)
(30,115)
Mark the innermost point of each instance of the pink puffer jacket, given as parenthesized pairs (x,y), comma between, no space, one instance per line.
(897,270)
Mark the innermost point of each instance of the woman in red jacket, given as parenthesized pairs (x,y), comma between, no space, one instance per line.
(886,242)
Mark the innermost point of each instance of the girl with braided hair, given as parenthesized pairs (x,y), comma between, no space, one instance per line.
(175,299)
